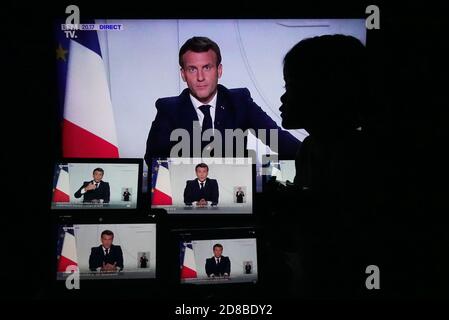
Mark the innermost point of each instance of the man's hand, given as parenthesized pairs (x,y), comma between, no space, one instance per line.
(109,267)
(90,186)
(201,203)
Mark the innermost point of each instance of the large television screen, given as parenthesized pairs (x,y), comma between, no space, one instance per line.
(111,80)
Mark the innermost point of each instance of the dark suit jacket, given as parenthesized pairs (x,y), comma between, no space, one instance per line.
(102,192)
(97,257)
(218,269)
(235,109)
(239,196)
(126,196)
(192,191)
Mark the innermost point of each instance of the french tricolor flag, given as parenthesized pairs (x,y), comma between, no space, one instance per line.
(161,185)
(88,127)
(61,192)
(188,265)
(67,255)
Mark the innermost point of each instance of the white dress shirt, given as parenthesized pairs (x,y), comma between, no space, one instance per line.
(83,190)
(197,104)
(199,183)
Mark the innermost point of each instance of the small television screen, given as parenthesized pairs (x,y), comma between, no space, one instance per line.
(202,186)
(100,184)
(106,251)
(283,171)
(218,261)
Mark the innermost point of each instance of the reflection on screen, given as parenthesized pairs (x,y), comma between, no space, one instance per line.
(280,170)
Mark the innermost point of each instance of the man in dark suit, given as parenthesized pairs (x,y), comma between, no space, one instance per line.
(208,107)
(96,190)
(143,261)
(106,257)
(248,268)
(126,195)
(239,195)
(202,189)
(218,265)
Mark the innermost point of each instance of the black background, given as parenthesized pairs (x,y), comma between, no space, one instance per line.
(410,50)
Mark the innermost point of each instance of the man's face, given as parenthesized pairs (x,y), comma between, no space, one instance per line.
(201,73)
(106,241)
(98,175)
(218,251)
(201,173)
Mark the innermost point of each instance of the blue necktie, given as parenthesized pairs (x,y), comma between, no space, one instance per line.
(207,121)
(207,124)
